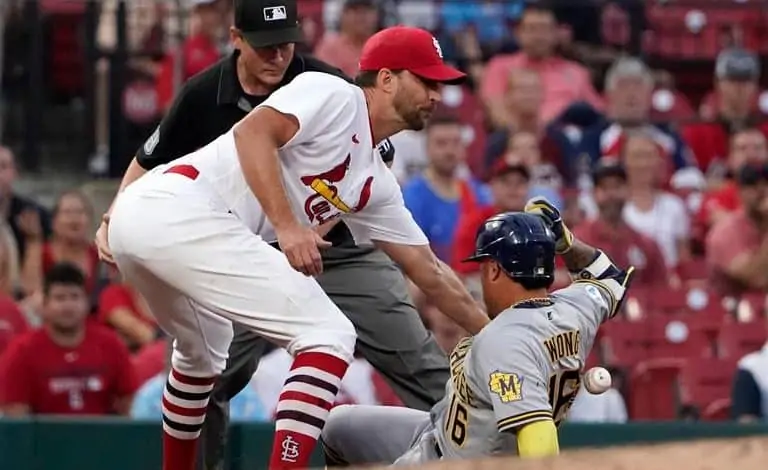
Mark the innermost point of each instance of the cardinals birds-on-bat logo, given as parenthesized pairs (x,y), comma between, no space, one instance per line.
(318,206)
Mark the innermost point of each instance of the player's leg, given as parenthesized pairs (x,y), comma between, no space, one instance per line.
(201,341)
(232,272)
(372,292)
(358,434)
(245,352)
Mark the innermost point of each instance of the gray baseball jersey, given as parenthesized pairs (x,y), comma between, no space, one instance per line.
(525,366)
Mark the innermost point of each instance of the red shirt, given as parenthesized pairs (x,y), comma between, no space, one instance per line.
(116,296)
(731,237)
(723,199)
(51,379)
(92,262)
(709,141)
(627,247)
(198,53)
(464,238)
(12,322)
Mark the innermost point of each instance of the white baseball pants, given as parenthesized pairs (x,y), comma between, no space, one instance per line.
(200,269)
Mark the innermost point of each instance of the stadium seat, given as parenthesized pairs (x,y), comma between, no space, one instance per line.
(623,343)
(652,394)
(682,336)
(704,380)
(735,340)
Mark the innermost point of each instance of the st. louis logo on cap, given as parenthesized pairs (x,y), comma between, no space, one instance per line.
(437,47)
(275,13)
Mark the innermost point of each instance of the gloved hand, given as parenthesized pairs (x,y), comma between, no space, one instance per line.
(543,208)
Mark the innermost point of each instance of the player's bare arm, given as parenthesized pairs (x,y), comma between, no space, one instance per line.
(439,283)
(586,263)
(257,139)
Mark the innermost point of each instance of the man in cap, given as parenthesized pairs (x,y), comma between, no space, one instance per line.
(737,75)
(304,157)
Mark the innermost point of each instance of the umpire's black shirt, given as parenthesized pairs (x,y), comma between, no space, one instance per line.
(207,106)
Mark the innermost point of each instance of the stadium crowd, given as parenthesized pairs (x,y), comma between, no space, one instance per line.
(676,190)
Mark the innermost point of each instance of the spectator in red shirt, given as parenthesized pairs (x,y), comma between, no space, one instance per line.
(12,320)
(748,146)
(509,191)
(564,81)
(199,51)
(68,367)
(737,246)
(123,308)
(620,242)
(342,49)
(737,73)
(71,241)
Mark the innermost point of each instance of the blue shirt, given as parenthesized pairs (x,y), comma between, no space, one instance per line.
(490,20)
(246,406)
(436,216)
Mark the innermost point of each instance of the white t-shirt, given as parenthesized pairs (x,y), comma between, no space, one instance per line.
(608,407)
(667,222)
(330,168)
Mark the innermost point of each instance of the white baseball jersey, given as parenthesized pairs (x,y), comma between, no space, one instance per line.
(330,168)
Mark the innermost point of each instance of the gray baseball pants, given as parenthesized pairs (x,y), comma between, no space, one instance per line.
(370,289)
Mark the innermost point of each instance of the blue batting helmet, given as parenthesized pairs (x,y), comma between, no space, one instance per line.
(522,244)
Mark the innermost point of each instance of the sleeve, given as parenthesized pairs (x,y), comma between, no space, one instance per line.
(325,106)
(15,375)
(110,299)
(513,379)
(386,219)
(173,137)
(745,395)
(126,383)
(600,287)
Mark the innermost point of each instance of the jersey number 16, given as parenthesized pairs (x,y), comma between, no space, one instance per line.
(563,387)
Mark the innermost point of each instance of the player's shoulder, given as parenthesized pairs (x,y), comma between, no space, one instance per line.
(510,330)
(307,63)
(324,85)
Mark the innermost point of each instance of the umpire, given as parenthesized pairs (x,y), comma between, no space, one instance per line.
(362,281)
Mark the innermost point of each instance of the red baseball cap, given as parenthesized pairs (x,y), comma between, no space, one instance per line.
(411,49)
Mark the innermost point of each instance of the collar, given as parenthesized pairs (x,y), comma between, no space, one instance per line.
(231,92)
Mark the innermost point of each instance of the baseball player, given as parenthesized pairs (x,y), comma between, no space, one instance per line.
(193,236)
(361,280)
(513,383)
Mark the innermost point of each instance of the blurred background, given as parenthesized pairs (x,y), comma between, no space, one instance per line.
(643,120)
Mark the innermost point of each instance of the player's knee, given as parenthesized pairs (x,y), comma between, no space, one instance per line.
(337,338)
(198,360)
(333,435)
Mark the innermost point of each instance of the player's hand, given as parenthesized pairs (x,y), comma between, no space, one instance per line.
(102,243)
(546,210)
(301,245)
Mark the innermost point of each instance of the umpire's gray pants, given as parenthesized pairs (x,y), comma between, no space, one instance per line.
(373,293)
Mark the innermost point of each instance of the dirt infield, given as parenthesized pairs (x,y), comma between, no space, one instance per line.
(732,454)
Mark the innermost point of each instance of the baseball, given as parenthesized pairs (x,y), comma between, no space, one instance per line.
(597,380)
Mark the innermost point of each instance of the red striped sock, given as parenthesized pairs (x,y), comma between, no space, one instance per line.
(184,403)
(305,401)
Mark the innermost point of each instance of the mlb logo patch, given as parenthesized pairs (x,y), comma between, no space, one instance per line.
(275,13)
